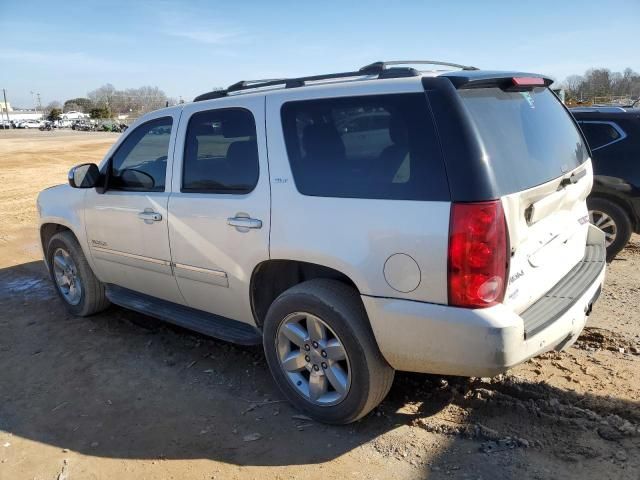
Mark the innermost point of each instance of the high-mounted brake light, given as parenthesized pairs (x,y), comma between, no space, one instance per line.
(528,82)
(477,254)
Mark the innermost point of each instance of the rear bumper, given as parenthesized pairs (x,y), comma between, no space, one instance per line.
(429,338)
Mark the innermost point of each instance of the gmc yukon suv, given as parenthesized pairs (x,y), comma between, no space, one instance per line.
(354,223)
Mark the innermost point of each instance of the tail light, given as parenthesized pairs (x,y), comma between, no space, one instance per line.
(477,254)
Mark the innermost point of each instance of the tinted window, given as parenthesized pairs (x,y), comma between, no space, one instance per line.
(221,153)
(599,134)
(140,163)
(365,147)
(529,137)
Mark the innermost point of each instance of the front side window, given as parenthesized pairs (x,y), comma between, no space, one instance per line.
(140,163)
(600,134)
(381,146)
(221,152)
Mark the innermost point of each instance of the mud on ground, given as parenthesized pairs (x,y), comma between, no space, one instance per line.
(121,395)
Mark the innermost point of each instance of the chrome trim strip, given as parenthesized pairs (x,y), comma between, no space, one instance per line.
(132,255)
(613,125)
(217,273)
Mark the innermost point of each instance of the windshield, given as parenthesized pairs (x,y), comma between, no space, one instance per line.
(528,137)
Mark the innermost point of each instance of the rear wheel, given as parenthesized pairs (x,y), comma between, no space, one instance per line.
(613,221)
(322,353)
(82,293)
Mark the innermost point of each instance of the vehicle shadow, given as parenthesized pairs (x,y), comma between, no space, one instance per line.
(123,385)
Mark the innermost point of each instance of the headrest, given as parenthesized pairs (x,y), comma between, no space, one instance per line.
(322,140)
(244,150)
(238,123)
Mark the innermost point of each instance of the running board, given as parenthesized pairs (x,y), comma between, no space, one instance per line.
(187,317)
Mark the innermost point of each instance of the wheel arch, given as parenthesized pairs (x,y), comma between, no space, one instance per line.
(48,230)
(272,277)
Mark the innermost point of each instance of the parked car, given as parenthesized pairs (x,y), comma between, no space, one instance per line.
(613,134)
(30,124)
(5,124)
(82,125)
(460,245)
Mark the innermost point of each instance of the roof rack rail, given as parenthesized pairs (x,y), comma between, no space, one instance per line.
(378,69)
(244,84)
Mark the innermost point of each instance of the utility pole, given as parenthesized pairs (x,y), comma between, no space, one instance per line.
(6,105)
(40,103)
(33,100)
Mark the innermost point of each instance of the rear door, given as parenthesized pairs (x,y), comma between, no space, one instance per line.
(540,168)
(219,211)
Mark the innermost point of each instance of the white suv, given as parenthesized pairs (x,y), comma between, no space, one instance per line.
(354,223)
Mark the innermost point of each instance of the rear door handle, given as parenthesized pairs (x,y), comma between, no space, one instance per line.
(149,217)
(244,222)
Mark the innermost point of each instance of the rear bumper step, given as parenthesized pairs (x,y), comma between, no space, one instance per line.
(553,304)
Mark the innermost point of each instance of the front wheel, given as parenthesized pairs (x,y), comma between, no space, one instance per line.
(322,353)
(75,282)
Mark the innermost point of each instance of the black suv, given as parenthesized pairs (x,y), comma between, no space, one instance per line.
(613,134)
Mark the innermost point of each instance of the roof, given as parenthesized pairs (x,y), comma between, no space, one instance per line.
(459,75)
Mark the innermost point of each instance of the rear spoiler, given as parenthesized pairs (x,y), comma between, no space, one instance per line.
(510,81)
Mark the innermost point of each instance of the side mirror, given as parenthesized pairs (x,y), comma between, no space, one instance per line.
(86,175)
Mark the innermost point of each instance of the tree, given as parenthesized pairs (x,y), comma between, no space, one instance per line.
(103,96)
(572,85)
(601,82)
(54,114)
(80,104)
(100,112)
(52,105)
(130,100)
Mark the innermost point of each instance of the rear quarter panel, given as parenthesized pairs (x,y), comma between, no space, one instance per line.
(355,236)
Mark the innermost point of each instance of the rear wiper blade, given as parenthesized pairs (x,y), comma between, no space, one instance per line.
(574,178)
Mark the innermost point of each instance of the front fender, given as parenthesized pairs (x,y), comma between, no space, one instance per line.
(64,206)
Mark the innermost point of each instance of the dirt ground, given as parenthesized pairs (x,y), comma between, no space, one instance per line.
(123,396)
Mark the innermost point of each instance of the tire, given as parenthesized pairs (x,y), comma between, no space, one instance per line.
(91,298)
(618,223)
(339,308)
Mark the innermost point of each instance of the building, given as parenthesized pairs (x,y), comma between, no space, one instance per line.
(22,115)
(5,107)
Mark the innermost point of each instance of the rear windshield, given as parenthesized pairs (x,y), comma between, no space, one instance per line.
(529,138)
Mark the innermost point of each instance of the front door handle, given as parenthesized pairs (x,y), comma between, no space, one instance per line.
(244,222)
(149,216)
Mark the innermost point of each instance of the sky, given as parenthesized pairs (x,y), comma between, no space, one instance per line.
(63,49)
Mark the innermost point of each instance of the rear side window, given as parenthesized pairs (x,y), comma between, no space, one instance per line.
(220,153)
(381,146)
(600,134)
(529,138)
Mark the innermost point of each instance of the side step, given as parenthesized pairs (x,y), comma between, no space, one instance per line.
(187,317)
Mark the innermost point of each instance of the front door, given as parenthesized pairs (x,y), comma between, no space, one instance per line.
(127,224)
(220,207)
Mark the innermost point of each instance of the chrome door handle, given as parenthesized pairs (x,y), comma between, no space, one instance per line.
(150,216)
(244,222)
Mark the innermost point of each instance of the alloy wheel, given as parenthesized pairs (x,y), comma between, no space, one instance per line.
(313,359)
(67,278)
(605,223)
